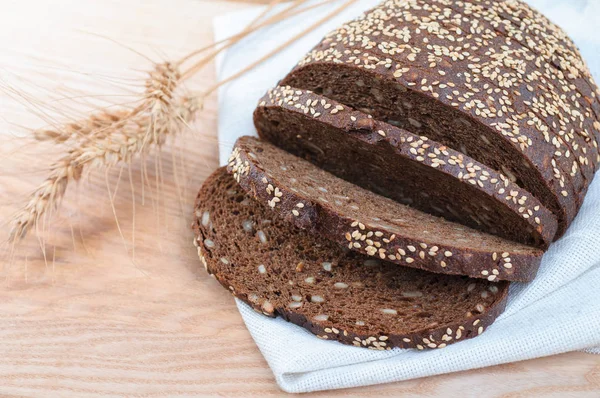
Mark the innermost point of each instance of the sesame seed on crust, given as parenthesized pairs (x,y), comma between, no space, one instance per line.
(533,87)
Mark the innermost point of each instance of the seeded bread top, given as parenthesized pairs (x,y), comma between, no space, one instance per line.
(335,293)
(519,21)
(335,209)
(472,193)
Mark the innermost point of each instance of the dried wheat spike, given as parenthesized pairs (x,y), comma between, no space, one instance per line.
(159,88)
(95,123)
(162,82)
(117,137)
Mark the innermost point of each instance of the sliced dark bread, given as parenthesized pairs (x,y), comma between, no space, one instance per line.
(488,60)
(366,82)
(509,76)
(335,209)
(402,166)
(335,293)
(446,79)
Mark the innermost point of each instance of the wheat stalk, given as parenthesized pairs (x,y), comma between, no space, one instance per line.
(105,120)
(290,11)
(108,137)
(278,49)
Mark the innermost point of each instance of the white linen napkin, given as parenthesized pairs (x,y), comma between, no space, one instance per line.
(556,313)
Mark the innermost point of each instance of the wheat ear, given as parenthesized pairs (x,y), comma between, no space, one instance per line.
(109,138)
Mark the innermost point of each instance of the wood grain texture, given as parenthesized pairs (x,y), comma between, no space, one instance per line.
(95,319)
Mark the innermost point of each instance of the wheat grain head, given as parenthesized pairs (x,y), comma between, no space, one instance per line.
(107,138)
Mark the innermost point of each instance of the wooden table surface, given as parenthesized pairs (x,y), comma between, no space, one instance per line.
(99,315)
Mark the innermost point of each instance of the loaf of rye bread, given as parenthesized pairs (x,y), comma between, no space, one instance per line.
(421,15)
(425,14)
(402,166)
(493,80)
(335,293)
(334,209)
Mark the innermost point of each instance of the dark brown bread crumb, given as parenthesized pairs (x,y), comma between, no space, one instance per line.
(332,208)
(462,74)
(336,294)
(402,166)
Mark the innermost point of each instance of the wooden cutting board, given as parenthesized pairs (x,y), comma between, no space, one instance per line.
(95,313)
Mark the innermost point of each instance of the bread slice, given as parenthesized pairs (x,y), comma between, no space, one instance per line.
(506,109)
(334,293)
(363,221)
(402,166)
(371,88)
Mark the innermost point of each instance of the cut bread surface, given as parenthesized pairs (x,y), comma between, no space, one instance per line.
(402,166)
(335,293)
(334,209)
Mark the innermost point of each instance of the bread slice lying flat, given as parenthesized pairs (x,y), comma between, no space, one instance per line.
(402,166)
(333,209)
(333,292)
